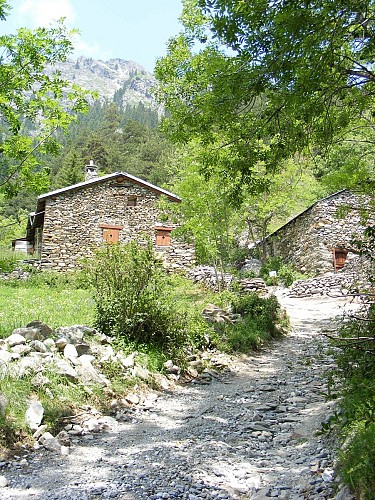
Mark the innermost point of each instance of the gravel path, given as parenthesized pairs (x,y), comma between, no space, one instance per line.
(248,435)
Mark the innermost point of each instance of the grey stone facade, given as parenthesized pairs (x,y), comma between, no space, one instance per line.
(69,223)
(311,239)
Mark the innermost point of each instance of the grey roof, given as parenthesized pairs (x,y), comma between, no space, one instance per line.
(98,180)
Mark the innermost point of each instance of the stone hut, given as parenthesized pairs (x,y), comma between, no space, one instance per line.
(68,223)
(318,240)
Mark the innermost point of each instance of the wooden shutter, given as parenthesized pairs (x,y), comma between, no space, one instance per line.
(163,236)
(110,233)
(339,258)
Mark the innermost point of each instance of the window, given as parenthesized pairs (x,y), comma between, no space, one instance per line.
(163,236)
(132,201)
(339,258)
(110,233)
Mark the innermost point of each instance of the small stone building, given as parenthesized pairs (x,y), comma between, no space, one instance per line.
(68,223)
(318,240)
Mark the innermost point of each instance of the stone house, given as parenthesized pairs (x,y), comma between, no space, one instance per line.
(69,222)
(318,240)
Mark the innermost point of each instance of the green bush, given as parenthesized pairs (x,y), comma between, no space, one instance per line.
(131,299)
(354,383)
(264,312)
(357,461)
(10,260)
(286,274)
(259,324)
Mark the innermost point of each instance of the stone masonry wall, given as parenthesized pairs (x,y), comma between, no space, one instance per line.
(307,242)
(73,218)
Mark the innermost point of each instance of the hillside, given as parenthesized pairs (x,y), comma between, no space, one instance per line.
(127,82)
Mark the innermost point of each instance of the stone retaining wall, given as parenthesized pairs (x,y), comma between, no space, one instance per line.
(334,284)
(218,281)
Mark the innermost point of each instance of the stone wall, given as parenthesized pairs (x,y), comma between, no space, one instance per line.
(177,257)
(308,241)
(352,278)
(73,218)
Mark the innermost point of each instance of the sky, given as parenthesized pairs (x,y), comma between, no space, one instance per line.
(134,30)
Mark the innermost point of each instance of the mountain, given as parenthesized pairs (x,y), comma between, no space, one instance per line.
(125,82)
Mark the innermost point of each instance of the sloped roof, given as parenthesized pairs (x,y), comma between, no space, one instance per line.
(99,180)
(303,212)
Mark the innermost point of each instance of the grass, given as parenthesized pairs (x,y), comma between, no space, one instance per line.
(9,259)
(54,306)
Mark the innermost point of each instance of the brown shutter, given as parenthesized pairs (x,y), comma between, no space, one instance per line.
(110,233)
(163,236)
(339,258)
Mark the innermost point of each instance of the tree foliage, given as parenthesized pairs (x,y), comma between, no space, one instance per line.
(206,214)
(265,79)
(33,104)
(289,191)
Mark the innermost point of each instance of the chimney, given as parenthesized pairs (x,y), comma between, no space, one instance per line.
(91,171)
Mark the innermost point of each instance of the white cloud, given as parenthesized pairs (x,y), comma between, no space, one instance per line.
(45,12)
(83,48)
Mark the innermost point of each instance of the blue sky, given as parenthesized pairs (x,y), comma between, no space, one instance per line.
(126,29)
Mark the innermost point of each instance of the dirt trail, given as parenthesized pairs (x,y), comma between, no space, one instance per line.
(250,435)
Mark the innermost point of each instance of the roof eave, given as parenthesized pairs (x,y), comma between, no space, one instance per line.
(114,175)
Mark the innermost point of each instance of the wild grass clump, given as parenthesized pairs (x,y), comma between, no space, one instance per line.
(59,397)
(10,260)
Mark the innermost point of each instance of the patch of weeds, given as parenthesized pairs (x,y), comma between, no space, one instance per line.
(260,317)
(286,273)
(10,260)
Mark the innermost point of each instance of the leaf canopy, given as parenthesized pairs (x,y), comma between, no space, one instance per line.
(265,79)
(34,102)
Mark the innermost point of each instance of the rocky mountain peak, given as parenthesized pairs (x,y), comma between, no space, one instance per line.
(128,78)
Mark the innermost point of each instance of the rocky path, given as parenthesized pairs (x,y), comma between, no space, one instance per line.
(249,435)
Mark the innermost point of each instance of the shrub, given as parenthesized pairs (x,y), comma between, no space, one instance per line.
(259,324)
(131,299)
(263,311)
(286,274)
(10,260)
(354,382)
(357,461)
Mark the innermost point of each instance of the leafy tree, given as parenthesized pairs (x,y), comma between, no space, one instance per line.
(33,102)
(267,79)
(206,213)
(290,191)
